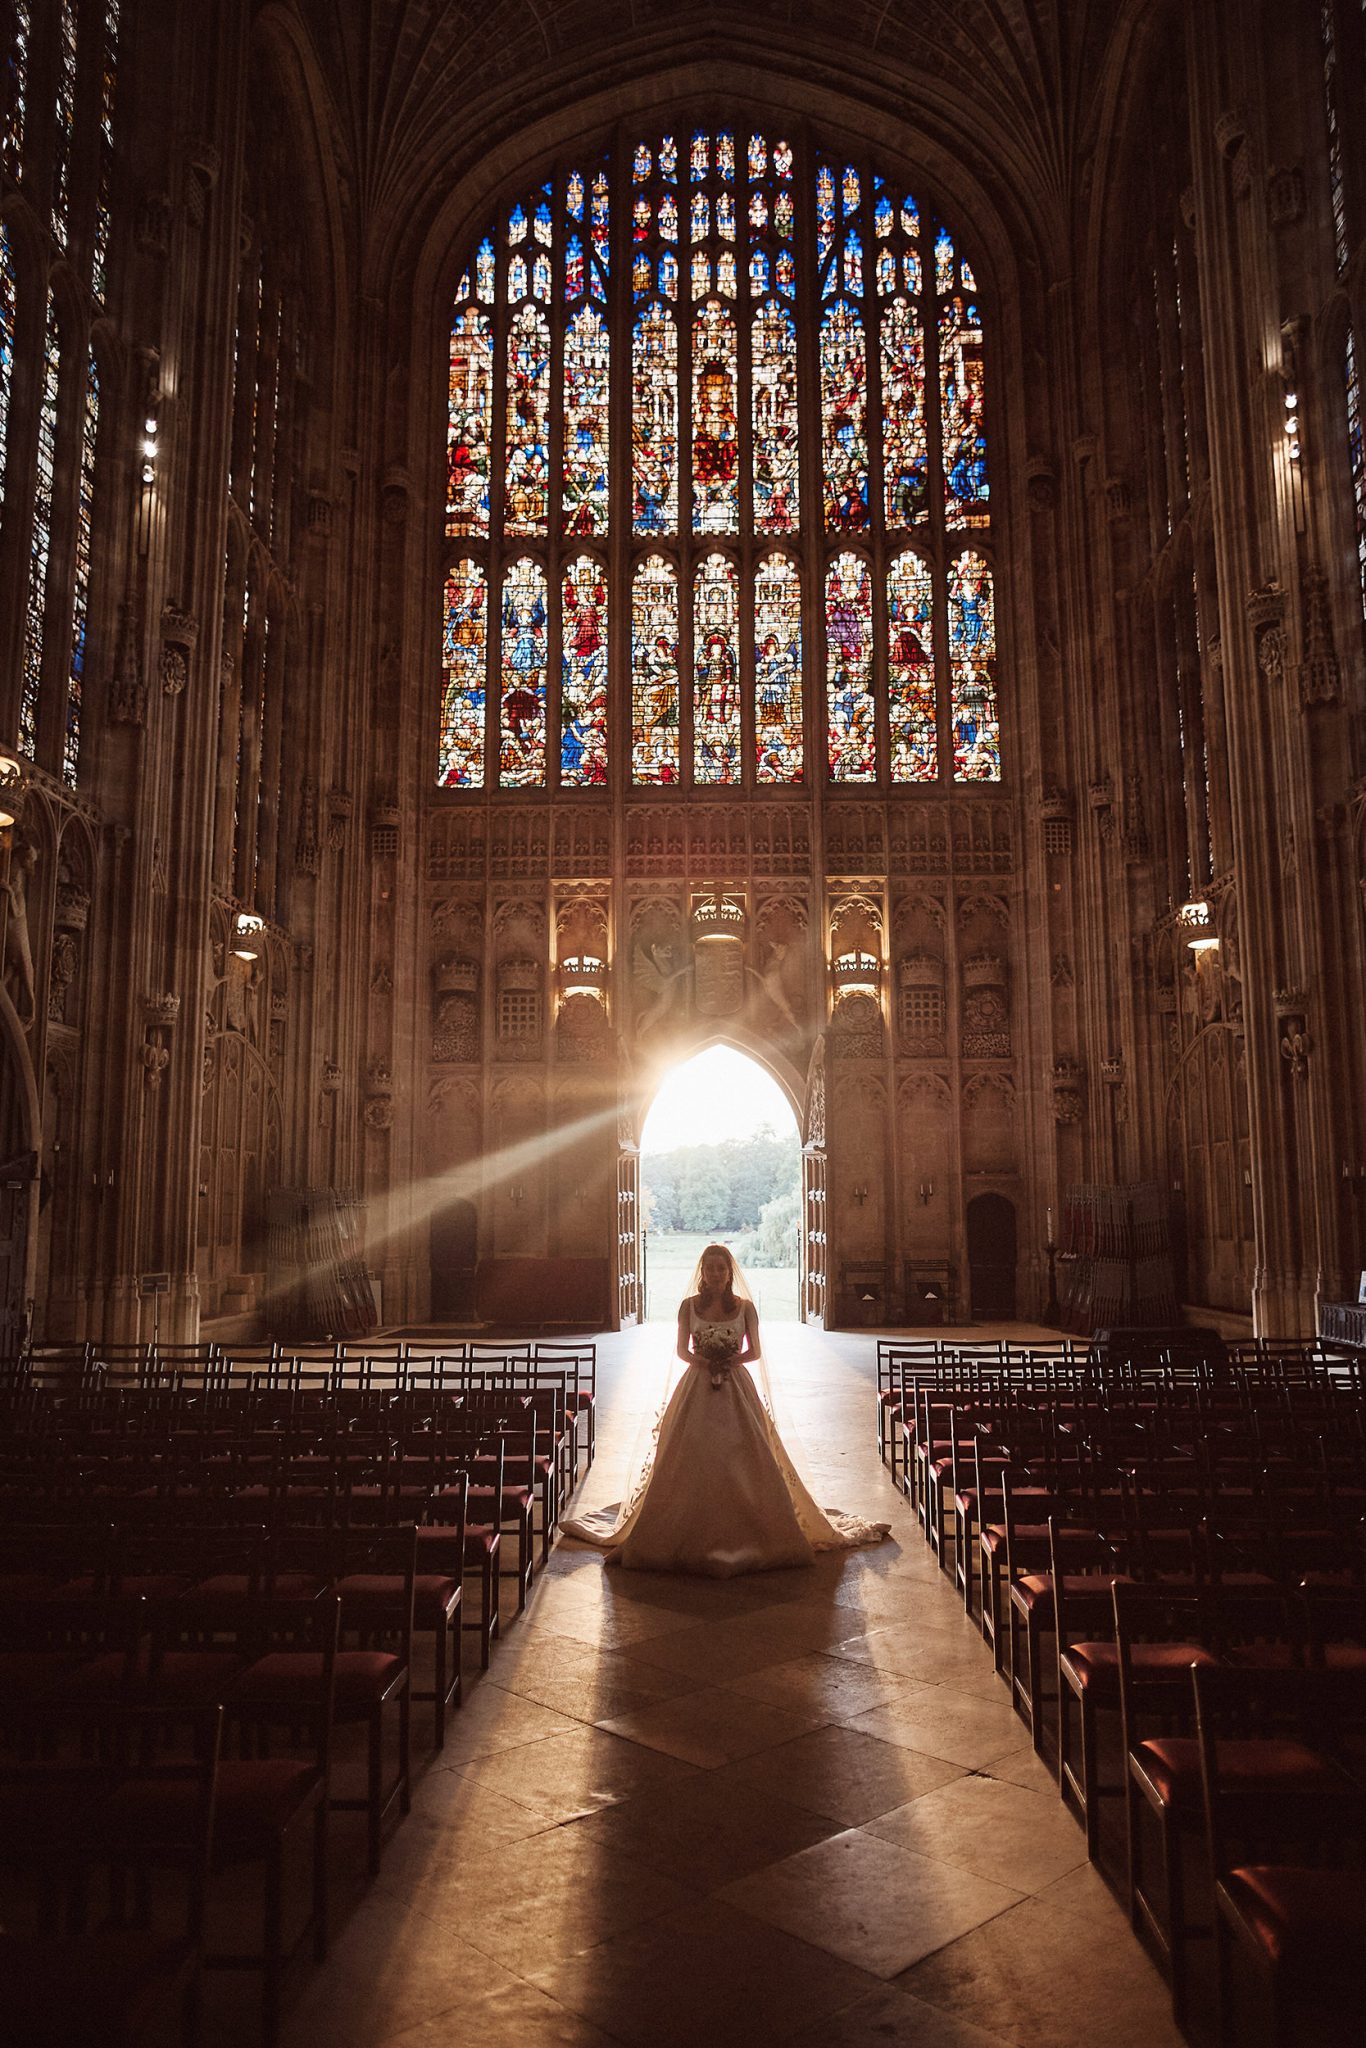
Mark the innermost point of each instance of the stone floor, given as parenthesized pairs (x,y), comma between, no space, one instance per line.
(788,1808)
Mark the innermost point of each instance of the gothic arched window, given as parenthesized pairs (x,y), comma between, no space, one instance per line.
(55,178)
(717,506)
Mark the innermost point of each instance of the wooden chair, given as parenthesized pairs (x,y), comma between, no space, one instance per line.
(1283,1904)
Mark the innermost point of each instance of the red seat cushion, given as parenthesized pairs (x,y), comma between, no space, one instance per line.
(479,1544)
(1034,1592)
(1170,1765)
(1095,1666)
(1310,1923)
(258,1798)
(288,1676)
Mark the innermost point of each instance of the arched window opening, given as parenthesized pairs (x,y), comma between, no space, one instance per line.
(684,352)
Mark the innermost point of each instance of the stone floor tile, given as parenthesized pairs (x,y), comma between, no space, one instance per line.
(842,1774)
(713,1727)
(869,1902)
(553,1895)
(939,1722)
(1043,1980)
(706,1830)
(888,2018)
(1018,1837)
(575,1773)
(839,1689)
(711,1974)
(493,1720)
(510,2018)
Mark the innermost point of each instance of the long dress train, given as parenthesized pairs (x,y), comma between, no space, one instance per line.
(720,1495)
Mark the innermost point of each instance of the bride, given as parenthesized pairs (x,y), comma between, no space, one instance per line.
(719,1493)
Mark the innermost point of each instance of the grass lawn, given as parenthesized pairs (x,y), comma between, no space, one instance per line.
(670,1258)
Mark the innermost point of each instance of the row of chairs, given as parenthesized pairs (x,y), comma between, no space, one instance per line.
(1110,1530)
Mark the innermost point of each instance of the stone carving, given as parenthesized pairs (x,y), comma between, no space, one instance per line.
(718,953)
(1061,974)
(661,968)
(61,974)
(128,684)
(1068,1099)
(18,947)
(1292,1018)
(986,1008)
(1117,498)
(1319,681)
(1266,611)
(381,980)
(307,852)
(340,805)
(156,1057)
(582,1032)
(815,1096)
(1285,196)
(856,1027)
(379,1112)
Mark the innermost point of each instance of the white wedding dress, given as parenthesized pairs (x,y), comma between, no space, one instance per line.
(719,1495)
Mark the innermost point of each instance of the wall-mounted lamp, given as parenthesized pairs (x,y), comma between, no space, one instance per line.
(1292,425)
(516,1194)
(926,1191)
(11,787)
(246,932)
(1195,920)
(149,448)
(1353,1169)
(860,1193)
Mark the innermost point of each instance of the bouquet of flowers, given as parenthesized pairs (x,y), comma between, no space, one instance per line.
(717,1348)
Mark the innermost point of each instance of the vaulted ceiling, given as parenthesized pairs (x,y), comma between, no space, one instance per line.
(1014,95)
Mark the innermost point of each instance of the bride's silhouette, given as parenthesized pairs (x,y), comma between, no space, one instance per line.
(718,1494)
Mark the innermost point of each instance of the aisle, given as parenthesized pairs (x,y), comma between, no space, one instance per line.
(794,1808)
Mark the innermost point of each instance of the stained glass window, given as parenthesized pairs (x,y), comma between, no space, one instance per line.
(778,670)
(469,418)
(716,673)
(654,421)
(733,413)
(583,674)
(773,398)
(100,267)
(654,673)
(972,661)
(7,314)
(63,134)
(14,106)
(586,379)
(1357,452)
(40,543)
(521,756)
(851,726)
(527,467)
(464,660)
(1336,186)
(960,396)
(911,709)
(844,419)
(905,457)
(85,511)
(715,448)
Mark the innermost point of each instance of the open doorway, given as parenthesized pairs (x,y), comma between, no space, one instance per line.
(720,1161)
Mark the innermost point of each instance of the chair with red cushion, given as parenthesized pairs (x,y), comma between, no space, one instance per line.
(264,1798)
(65,1820)
(1284,1906)
(1162,1769)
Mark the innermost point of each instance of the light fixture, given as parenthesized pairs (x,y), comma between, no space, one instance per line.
(149,448)
(1292,424)
(860,1193)
(246,933)
(1195,920)
(11,787)
(926,1190)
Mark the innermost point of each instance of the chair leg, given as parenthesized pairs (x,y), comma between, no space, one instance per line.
(321,1930)
(375,1786)
(443,1634)
(272,1947)
(405,1746)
